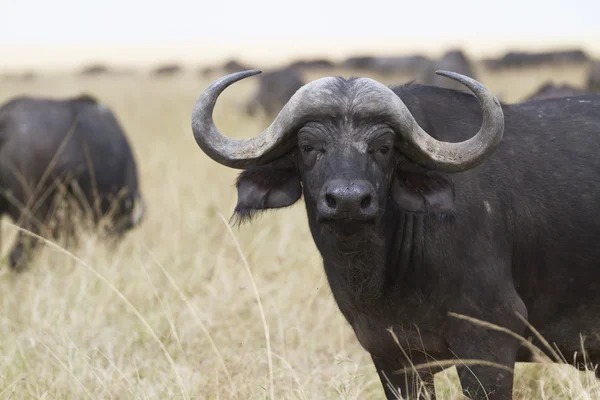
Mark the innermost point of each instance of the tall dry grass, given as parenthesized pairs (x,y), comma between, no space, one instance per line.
(183,307)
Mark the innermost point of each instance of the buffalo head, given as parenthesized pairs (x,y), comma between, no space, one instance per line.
(341,142)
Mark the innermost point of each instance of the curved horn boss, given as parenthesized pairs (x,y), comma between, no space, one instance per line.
(316,98)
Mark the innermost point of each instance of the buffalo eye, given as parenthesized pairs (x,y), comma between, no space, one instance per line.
(307,149)
(384,150)
(381,146)
(381,150)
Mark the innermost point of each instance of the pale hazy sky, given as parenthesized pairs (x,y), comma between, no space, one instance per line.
(240,24)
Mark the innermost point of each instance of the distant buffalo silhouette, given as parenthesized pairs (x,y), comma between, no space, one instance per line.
(551,90)
(311,64)
(388,65)
(167,70)
(275,88)
(519,59)
(453,60)
(96,69)
(228,67)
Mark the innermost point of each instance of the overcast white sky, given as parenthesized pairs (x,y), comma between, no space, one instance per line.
(32,23)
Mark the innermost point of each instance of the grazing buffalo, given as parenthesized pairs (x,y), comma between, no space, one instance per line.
(73,147)
(454,60)
(275,88)
(550,90)
(414,219)
(593,82)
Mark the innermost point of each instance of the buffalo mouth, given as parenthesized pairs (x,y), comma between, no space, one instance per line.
(347,226)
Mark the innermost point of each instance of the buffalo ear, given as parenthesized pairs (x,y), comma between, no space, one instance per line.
(423,192)
(274,185)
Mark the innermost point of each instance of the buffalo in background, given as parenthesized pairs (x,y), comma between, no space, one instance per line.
(274,90)
(95,70)
(453,60)
(63,152)
(551,90)
(228,67)
(308,65)
(167,70)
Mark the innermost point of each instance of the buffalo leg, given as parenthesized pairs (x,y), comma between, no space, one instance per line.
(469,341)
(409,385)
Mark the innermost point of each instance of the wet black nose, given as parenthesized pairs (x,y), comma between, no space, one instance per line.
(345,199)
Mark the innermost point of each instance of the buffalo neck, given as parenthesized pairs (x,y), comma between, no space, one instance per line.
(363,269)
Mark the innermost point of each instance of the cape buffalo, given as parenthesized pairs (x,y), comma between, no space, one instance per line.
(413,220)
(550,90)
(74,146)
(275,88)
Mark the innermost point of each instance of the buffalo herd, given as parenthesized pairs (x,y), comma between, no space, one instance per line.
(425,200)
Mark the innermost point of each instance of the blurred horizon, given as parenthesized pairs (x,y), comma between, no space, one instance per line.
(262,53)
(66,34)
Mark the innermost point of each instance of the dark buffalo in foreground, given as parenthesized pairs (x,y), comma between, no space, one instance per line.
(593,82)
(275,88)
(415,218)
(453,60)
(521,59)
(74,147)
(551,90)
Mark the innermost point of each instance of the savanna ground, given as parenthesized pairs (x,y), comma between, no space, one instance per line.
(172,310)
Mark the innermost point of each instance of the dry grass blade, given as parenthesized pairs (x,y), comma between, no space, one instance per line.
(66,368)
(260,307)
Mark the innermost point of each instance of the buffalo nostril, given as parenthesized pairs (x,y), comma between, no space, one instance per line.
(330,200)
(365,202)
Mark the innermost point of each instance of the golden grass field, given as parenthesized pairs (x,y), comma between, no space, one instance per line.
(173,310)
